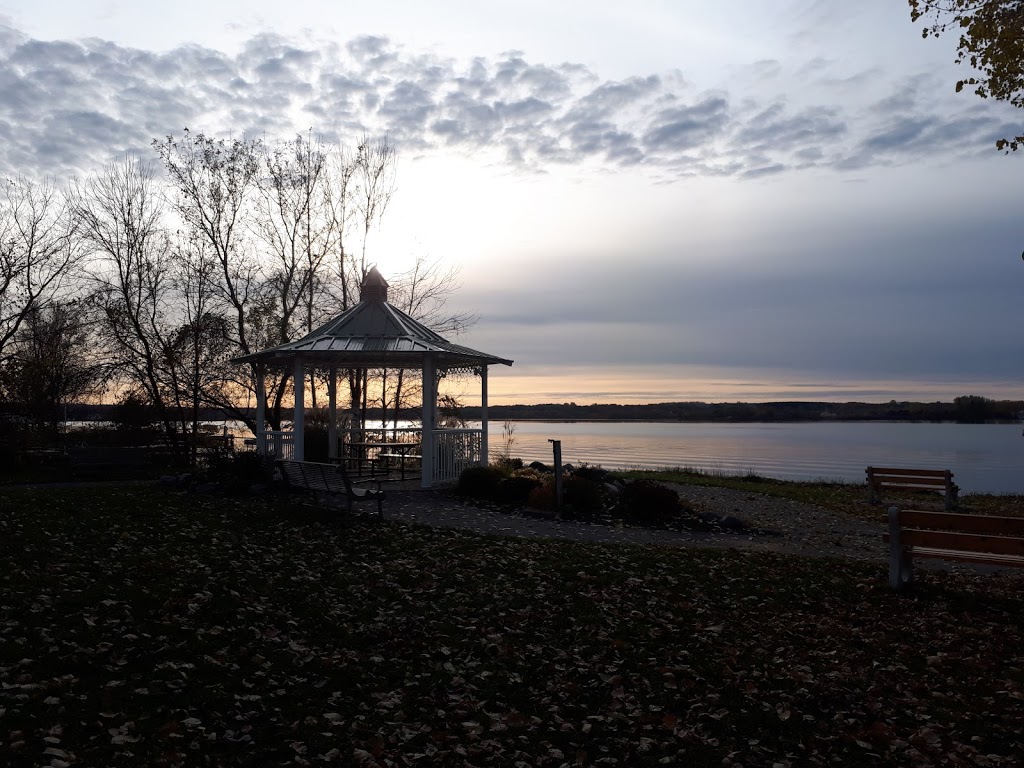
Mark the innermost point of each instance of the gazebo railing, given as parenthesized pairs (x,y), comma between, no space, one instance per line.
(454,451)
(277,443)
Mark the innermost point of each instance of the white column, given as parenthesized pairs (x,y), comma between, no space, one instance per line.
(429,400)
(332,412)
(261,410)
(298,425)
(483,415)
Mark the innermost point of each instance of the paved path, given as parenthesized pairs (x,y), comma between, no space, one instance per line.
(439,509)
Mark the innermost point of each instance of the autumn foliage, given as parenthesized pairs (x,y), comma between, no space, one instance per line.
(149,629)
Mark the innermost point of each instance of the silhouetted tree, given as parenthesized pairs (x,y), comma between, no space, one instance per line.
(990,41)
(52,363)
(37,251)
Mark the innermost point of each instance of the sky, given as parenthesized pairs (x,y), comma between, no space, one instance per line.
(650,201)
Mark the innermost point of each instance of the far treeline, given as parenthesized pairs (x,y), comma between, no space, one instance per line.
(972,409)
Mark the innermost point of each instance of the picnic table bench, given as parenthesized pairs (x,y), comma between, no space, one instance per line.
(984,539)
(888,478)
(332,479)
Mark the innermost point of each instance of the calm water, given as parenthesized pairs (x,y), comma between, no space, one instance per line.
(985,458)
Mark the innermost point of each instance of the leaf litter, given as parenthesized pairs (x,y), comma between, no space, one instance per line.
(151,629)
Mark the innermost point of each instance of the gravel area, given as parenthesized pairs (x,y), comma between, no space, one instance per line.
(777,525)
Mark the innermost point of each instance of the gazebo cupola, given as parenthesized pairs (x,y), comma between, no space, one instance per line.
(374,287)
(373,334)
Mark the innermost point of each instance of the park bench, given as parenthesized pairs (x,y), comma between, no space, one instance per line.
(983,539)
(331,479)
(888,478)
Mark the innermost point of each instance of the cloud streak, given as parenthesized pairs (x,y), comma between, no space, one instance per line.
(69,106)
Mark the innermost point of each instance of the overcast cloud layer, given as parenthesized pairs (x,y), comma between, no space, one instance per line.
(871,233)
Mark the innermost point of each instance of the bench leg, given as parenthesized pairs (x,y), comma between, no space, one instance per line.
(951,498)
(901,562)
(901,570)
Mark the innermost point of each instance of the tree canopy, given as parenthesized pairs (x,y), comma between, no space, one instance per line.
(991,42)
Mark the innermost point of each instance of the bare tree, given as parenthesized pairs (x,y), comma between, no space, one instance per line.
(52,362)
(37,252)
(213,181)
(422,293)
(118,214)
(375,166)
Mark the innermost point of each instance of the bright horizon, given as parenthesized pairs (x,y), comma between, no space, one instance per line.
(726,202)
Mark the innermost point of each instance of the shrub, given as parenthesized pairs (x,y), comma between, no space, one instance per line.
(480,482)
(543,496)
(646,502)
(507,464)
(517,489)
(584,499)
(239,471)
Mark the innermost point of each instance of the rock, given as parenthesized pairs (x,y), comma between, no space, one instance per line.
(170,480)
(732,523)
(207,489)
(540,466)
(612,488)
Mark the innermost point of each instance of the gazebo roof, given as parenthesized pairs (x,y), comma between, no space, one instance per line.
(374,334)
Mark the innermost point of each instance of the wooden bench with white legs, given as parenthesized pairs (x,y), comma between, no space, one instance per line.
(329,479)
(983,539)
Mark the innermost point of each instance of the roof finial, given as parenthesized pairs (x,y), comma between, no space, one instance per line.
(374,287)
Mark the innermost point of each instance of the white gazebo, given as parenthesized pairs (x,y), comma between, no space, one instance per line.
(373,334)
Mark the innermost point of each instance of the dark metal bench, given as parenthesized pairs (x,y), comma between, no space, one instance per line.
(984,539)
(311,476)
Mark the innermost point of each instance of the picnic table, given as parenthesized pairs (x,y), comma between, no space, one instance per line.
(362,453)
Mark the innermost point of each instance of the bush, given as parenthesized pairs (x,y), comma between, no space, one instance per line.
(517,489)
(543,496)
(240,471)
(507,464)
(480,482)
(646,502)
(583,499)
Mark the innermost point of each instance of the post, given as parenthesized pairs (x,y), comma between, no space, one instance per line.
(557,446)
(298,425)
(429,375)
(261,411)
(901,563)
(484,459)
(332,412)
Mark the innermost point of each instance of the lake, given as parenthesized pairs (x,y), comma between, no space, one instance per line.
(985,458)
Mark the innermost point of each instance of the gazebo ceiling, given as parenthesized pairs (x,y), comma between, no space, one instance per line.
(374,334)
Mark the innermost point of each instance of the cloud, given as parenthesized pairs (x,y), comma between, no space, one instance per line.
(69,106)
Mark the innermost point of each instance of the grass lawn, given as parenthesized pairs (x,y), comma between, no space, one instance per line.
(848,498)
(140,627)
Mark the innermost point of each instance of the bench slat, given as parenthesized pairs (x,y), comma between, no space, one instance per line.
(991,524)
(961,542)
(923,482)
(982,558)
(938,473)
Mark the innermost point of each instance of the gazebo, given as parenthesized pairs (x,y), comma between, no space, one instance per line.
(370,335)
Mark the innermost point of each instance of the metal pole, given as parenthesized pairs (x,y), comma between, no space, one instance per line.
(557,446)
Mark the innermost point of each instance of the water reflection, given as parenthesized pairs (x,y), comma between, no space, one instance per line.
(986,458)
